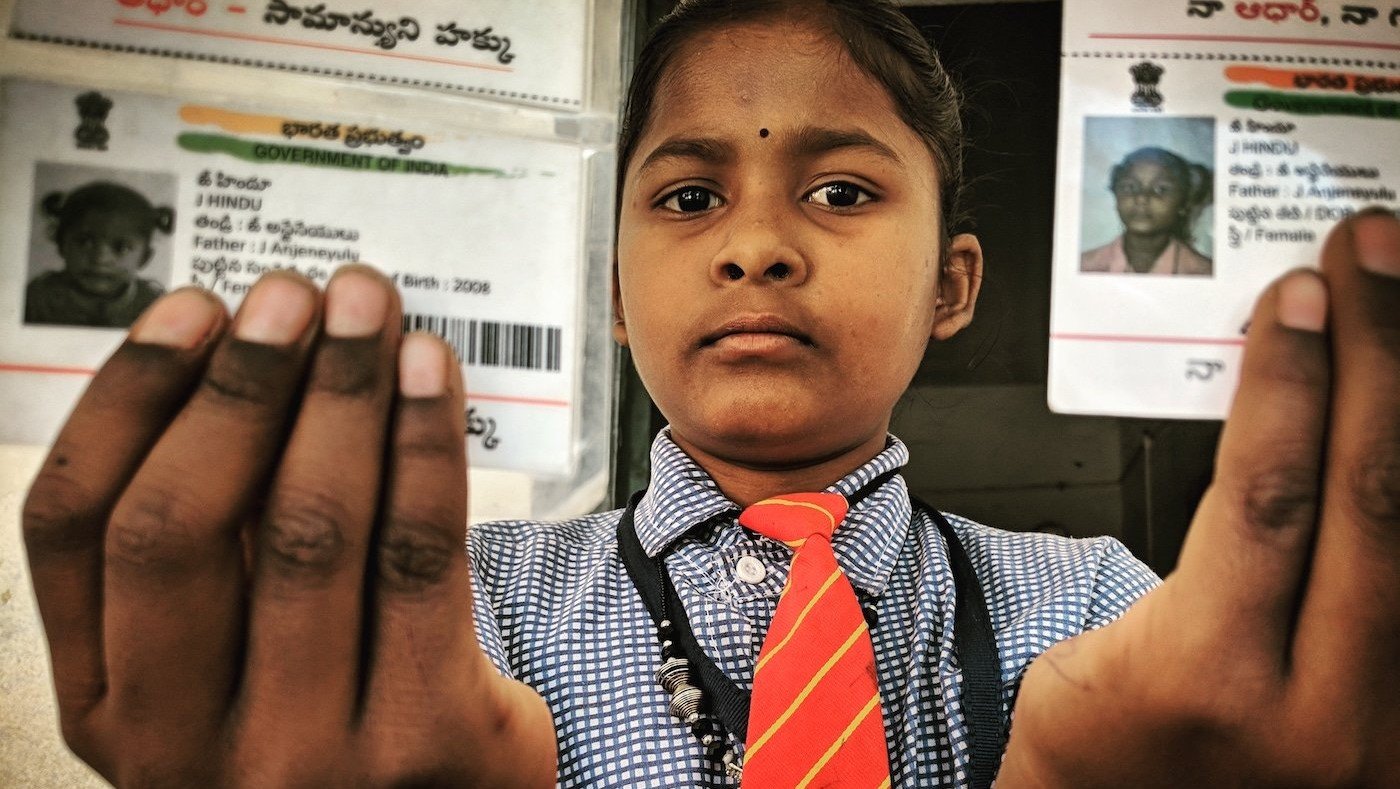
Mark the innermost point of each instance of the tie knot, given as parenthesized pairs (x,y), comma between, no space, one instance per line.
(795,517)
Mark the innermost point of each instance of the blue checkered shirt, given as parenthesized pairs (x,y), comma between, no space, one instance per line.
(555,608)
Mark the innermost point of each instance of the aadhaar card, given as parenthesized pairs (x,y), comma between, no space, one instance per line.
(525,52)
(1205,148)
(110,199)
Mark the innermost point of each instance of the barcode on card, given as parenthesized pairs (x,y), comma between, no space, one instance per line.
(520,346)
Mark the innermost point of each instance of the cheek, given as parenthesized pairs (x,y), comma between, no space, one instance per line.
(644,313)
(890,325)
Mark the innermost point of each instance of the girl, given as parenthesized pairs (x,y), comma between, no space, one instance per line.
(1158,195)
(103,232)
(788,175)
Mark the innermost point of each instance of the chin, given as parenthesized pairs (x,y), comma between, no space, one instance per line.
(776,436)
(101,286)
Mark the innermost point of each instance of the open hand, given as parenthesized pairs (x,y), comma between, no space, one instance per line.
(247,548)
(1271,657)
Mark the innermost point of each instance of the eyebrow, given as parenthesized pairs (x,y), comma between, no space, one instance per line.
(809,142)
(704,149)
(812,141)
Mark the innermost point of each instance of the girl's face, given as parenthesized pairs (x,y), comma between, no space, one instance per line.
(778,250)
(103,250)
(1150,199)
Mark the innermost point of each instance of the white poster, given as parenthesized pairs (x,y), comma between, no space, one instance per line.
(1206,148)
(481,234)
(527,52)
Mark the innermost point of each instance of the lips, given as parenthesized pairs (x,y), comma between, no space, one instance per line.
(757,325)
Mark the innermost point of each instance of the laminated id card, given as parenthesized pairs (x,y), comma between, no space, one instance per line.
(1206,148)
(214,195)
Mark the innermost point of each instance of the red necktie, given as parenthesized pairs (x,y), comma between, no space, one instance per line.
(815,716)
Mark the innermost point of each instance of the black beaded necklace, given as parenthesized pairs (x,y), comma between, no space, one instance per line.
(710,704)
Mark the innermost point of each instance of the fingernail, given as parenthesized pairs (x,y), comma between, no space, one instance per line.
(180,320)
(276,312)
(1376,237)
(356,303)
(422,367)
(1302,302)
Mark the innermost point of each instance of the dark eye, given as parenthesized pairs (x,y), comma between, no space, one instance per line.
(838,194)
(691,199)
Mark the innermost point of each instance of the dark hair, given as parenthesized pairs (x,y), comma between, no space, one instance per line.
(1195,181)
(110,198)
(879,38)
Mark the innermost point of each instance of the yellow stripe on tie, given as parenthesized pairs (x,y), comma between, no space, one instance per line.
(778,646)
(809,505)
(841,740)
(885,784)
(806,691)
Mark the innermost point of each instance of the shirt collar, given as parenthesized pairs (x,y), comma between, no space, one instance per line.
(682,496)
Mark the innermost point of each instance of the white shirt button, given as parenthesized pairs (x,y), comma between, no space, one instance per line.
(751,569)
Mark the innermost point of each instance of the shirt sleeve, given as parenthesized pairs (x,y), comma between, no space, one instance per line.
(488,624)
(1120,581)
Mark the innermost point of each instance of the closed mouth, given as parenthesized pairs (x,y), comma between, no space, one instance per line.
(755,324)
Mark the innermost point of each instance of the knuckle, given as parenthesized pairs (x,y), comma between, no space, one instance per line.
(428,443)
(1378,302)
(1298,371)
(1374,495)
(415,555)
(1281,500)
(59,514)
(304,536)
(135,375)
(250,377)
(156,535)
(349,367)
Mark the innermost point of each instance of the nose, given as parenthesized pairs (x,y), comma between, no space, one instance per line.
(759,250)
(106,256)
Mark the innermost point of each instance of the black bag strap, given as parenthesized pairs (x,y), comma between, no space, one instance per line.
(727,701)
(976,645)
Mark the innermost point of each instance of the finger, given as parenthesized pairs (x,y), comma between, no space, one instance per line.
(307,602)
(174,586)
(1351,615)
(125,408)
(423,645)
(1245,554)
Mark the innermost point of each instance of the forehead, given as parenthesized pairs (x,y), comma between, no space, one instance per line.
(1147,170)
(777,75)
(110,220)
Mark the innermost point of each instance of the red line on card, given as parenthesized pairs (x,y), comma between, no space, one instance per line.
(237,9)
(1315,42)
(194,31)
(1145,339)
(42,369)
(45,369)
(495,398)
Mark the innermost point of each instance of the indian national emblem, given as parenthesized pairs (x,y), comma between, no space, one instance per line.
(92,132)
(1147,74)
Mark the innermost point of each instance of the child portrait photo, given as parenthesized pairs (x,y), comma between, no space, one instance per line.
(99,250)
(1148,185)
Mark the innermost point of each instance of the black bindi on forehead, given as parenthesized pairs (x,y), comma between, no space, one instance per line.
(763,132)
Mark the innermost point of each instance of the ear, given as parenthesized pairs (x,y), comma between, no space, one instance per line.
(619,327)
(959,282)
